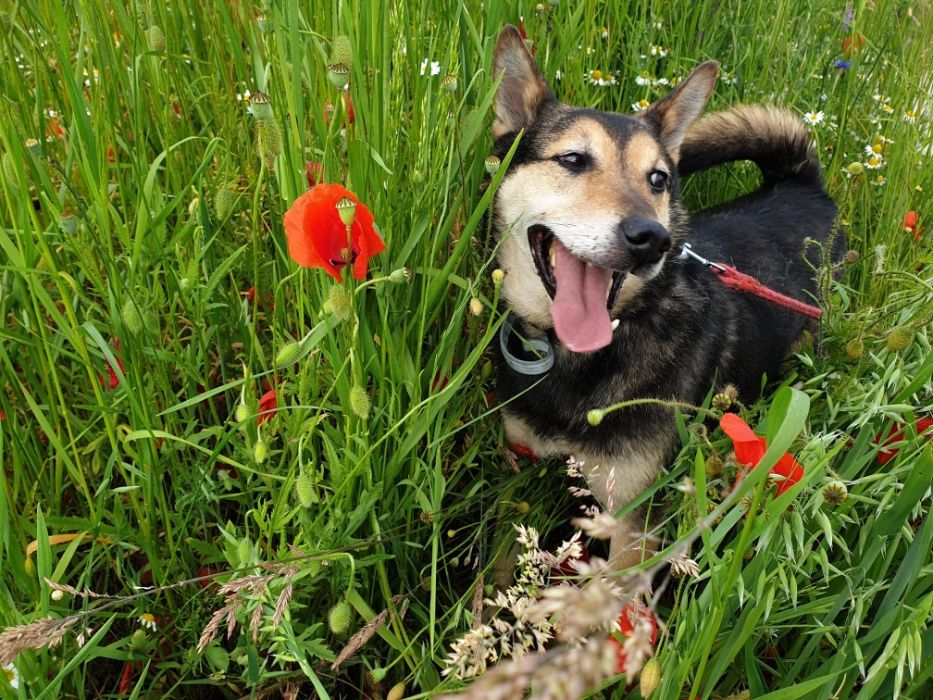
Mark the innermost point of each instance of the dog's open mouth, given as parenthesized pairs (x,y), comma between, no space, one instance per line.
(583,293)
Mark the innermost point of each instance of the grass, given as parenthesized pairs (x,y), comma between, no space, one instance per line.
(144,213)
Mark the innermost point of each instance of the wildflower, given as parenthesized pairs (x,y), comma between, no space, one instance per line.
(910,115)
(498,276)
(347,102)
(243,96)
(113,378)
(268,405)
(318,238)
(148,621)
(435,67)
(842,65)
(750,448)
(640,106)
(634,616)
(874,162)
(314,172)
(853,43)
(910,224)
(875,149)
(12,675)
(728,77)
(879,180)
(896,434)
(887,109)
(643,78)
(813,118)
(658,51)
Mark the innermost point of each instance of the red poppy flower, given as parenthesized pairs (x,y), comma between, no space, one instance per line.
(347,102)
(750,448)
(314,171)
(111,155)
(54,129)
(896,434)
(113,379)
(268,404)
(628,618)
(853,43)
(910,224)
(523,451)
(318,238)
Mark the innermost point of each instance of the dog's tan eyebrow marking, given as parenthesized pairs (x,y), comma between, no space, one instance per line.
(642,154)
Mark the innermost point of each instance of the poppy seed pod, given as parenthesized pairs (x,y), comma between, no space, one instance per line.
(346,209)
(260,106)
(492,164)
(449,83)
(400,276)
(34,148)
(339,75)
(340,617)
(835,493)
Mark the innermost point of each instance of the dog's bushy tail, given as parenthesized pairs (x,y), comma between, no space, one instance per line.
(776,140)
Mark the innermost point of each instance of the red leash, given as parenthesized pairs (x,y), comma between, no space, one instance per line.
(734,279)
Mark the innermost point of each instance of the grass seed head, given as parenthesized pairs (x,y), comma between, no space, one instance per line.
(9,169)
(223,202)
(131,317)
(269,142)
(854,348)
(340,617)
(342,51)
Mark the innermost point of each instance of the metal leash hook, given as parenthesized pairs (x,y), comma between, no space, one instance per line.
(687,252)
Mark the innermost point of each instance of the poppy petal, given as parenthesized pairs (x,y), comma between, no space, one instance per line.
(749,448)
(790,469)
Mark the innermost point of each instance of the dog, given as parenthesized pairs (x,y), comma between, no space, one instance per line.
(588,223)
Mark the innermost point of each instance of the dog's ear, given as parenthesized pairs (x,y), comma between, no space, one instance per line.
(523,90)
(674,113)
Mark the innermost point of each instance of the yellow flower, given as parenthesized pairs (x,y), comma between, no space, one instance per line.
(148,621)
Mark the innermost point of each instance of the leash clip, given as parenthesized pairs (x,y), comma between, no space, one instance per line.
(687,252)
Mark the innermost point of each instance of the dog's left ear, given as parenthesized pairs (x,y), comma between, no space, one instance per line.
(674,114)
(523,90)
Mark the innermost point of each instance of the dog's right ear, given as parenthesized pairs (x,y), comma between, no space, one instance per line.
(523,90)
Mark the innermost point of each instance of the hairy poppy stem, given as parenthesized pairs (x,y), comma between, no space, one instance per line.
(595,416)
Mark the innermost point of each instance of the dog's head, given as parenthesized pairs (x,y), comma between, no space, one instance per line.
(589,209)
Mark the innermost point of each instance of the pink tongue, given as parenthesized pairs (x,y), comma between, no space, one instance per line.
(581,319)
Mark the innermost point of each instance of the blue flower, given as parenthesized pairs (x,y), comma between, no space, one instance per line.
(842,64)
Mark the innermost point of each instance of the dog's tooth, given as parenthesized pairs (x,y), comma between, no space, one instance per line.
(615,324)
(552,255)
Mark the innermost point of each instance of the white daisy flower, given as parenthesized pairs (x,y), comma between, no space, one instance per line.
(879,180)
(874,162)
(728,77)
(148,621)
(814,118)
(656,50)
(874,149)
(243,96)
(558,75)
(640,105)
(910,116)
(12,675)
(643,79)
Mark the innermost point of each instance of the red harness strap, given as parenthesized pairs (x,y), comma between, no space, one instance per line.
(734,279)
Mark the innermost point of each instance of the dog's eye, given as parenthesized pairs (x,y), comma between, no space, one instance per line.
(572,160)
(658,180)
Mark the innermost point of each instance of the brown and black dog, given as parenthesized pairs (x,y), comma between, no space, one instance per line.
(589,222)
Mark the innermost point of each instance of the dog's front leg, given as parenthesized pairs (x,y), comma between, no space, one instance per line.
(615,481)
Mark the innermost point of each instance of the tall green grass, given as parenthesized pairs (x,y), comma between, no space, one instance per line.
(150,219)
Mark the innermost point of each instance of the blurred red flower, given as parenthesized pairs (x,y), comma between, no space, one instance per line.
(268,404)
(896,434)
(852,43)
(750,448)
(314,171)
(113,380)
(910,224)
(318,238)
(631,615)
(347,102)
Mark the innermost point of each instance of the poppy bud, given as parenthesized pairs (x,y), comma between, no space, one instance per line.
(242,411)
(131,318)
(359,401)
(476,306)
(522,507)
(68,224)
(223,202)
(346,208)
(260,450)
(338,302)
(595,416)
(854,348)
(340,617)
(34,148)
(156,38)
(417,177)
(378,674)
(486,370)
(899,338)
(288,355)
(539,8)
(260,106)
(650,677)
(492,164)
(269,142)
(855,169)
(244,551)
(138,640)
(497,277)
(449,83)
(342,52)
(835,493)
(339,75)
(305,491)
(397,692)
(851,257)
(400,276)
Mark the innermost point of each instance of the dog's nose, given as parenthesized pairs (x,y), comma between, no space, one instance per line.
(645,239)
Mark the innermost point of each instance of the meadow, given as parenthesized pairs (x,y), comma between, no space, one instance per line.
(228,475)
